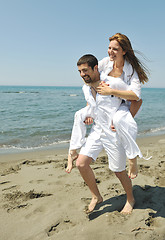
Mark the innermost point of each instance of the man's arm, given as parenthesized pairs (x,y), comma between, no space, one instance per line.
(88,120)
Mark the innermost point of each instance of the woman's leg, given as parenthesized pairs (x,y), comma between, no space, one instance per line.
(126,130)
(79,129)
(133,168)
(77,136)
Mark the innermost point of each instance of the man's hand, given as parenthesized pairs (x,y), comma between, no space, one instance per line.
(104,89)
(88,121)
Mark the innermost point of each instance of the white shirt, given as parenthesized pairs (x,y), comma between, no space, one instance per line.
(133,81)
(105,106)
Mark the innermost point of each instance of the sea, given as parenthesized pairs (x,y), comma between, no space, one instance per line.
(33,117)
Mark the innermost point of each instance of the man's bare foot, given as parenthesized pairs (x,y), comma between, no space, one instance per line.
(73,155)
(93,204)
(133,168)
(70,164)
(128,207)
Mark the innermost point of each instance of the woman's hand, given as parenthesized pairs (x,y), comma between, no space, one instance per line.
(104,89)
(88,121)
(113,127)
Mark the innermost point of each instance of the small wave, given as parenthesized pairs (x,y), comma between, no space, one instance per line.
(59,142)
(11,147)
(73,95)
(14,92)
(20,92)
(158,129)
(153,130)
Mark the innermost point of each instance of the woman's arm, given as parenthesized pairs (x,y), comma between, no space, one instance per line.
(104,89)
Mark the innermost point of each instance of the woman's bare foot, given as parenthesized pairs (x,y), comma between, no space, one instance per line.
(133,168)
(73,155)
(93,203)
(128,207)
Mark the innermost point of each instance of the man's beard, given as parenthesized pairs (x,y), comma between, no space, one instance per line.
(88,80)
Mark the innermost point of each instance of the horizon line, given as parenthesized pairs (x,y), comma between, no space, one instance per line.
(55,86)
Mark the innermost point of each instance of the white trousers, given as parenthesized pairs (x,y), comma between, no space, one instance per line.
(126,131)
(97,141)
(78,136)
(125,125)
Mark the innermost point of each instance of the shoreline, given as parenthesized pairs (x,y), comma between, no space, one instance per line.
(63,149)
(40,201)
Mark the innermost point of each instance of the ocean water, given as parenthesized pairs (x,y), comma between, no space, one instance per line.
(42,117)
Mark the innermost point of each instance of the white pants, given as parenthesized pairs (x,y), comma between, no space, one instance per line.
(114,149)
(126,131)
(125,125)
(79,128)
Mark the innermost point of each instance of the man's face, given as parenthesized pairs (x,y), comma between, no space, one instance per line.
(87,73)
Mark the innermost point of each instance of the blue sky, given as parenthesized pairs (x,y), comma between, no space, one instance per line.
(41,40)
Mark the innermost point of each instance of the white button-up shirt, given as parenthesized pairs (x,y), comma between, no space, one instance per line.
(105,106)
(130,77)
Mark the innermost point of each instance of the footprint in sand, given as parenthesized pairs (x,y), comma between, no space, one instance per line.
(23,196)
(36,181)
(27,162)
(16,199)
(53,228)
(59,225)
(1,183)
(144,168)
(149,221)
(11,187)
(20,206)
(14,169)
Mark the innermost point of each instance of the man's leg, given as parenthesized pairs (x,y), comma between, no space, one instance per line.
(83,163)
(117,163)
(127,185)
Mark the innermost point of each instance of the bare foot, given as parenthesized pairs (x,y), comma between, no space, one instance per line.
(93,204)
(73,155)
(133,168)
(128,207)
(70,164)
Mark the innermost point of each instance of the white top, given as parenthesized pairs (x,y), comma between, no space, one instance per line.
(133,81)
(105,106)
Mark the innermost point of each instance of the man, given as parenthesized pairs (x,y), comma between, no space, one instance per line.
(101,136)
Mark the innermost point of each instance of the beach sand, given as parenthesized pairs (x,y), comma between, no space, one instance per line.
(40,201)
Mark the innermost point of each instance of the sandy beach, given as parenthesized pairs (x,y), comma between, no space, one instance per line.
(40,201)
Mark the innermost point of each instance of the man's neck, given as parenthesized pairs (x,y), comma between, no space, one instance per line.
(97,81)
(95,84)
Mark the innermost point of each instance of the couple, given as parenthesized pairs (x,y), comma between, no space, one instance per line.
(122,74)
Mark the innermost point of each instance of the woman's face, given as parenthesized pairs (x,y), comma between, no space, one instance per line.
(115,51)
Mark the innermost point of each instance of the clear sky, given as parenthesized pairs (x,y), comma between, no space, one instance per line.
(41,40)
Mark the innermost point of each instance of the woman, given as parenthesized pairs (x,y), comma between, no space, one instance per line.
(122,62)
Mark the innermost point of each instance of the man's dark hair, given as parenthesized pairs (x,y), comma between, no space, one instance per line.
(89,59)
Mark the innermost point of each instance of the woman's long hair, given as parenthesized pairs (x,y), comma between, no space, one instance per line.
(130,56)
